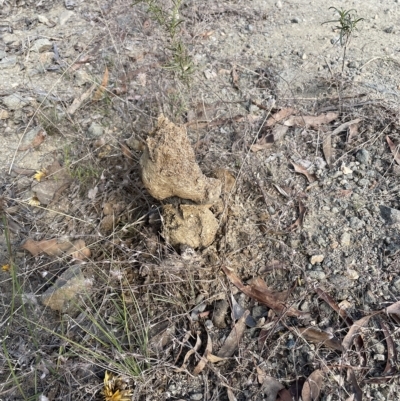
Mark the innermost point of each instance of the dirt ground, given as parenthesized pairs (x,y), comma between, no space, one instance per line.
(202,200)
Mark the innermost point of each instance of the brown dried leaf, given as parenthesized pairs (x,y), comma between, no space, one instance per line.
(79,100)
(79,251)
(284,395)
(231,343)
(99,92)
(391,362)
(352,132)
(355,331)
(51,247)
(394,308)
(259,284)
(37,140)
(265,297)
(327,149)
(394,149)
(203,361)
(214,359)
(299,221)
(231,396)
(270,387)
(312,387)
(278,132)
(266,142)
(331,302)
(274,264)
(127,152)
(344,193)
(344,126)
(316,336)
(311,121)
(235,77)
(279,116)
(302,170)
(192,351)
(351,377)
(207,34)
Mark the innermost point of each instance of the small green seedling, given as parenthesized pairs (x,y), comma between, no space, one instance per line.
(347,25)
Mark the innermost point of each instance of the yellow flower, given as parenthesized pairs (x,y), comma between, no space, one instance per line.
(34,201)
(40,174)
(115,389)
(5,268)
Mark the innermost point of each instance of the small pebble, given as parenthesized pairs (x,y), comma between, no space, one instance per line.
(278,4)
(316,259)
(345,239)
(363,156)
(345,170)
(317,275)
(352,274)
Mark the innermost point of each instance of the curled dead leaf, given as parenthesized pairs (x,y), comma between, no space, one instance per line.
(279,116)
(316,336)
(311,121)
(203,361)
(351,377)
(394,149)
(327,149)
(284,395)
(54,247)
(36,141)
(312,386)
(354,331)
(270,387)
(262,295)
(231,343)
(235,77)
(99,92)
(300,169)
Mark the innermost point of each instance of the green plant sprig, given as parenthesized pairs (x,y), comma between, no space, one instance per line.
(347,24)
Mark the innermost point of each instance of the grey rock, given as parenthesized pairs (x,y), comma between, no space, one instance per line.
(317,275)
(363,182)
(340,282)
(356,223)
(220,313)
(65,16)
(11,39)
(250,28)
(363,156)
(345,239)
(8,62)
(396,284)
(353,64)
(259,311)
(82,77)
(69,4)
(15,102)
(62,295)
(379,348)
(42,45)
(295,20)
(390,215)
(95,130)
(320,163)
